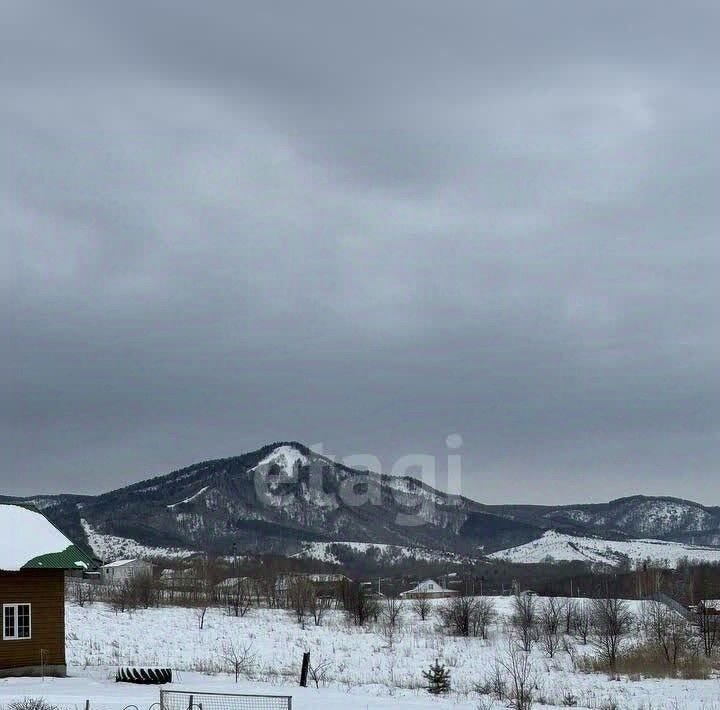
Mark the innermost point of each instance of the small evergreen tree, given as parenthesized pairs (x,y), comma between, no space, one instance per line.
(438,678)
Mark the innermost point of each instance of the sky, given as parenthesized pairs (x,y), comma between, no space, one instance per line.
(366,227)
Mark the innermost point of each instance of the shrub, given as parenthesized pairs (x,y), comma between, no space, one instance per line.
(646,660)
(467,616)
(31,704)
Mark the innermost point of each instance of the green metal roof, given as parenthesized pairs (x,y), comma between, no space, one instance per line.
(71,557)
(37,534)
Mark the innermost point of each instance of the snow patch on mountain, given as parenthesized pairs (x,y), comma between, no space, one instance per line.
(286,458)
(332,552)
(579,516)
(111,547)
(559,547)
(664,517)
(190,499)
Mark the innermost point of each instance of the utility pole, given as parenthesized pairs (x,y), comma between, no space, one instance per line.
(237,579)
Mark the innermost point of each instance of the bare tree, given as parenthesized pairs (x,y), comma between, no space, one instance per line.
(268,584)
(239,659)
(390,611)
(202,603)
(318,671)
(359,605)
(203,587)
(120,597)
(422,607)
(483,615)
(459,615)
(145,590)
(570,612)
(319,604)
(301,597)
(550,617)
(519,670)
(582,623)
(707,627)
(239,597)
(611,622)
(524,620)
(81,592)
(665,629)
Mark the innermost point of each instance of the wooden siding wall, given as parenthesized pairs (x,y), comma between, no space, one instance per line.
(45,591)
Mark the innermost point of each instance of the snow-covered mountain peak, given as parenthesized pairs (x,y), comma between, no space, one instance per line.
(286,457)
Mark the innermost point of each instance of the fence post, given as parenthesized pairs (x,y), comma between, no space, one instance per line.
(304,671)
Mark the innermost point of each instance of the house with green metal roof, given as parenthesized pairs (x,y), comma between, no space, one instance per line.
(34,557)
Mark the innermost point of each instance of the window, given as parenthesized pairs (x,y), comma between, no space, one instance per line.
(16,621)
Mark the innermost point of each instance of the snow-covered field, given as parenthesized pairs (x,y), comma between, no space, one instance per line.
(365,671)
(555,546)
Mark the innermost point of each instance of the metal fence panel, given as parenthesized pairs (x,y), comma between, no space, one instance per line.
(187,700)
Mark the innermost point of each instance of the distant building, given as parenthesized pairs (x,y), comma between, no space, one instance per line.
(124,570)
(708,607)
(429,589)
(34,556)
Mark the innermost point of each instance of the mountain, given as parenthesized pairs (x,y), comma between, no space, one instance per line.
(561,547)
(287,499)
(634,517)
(274,500)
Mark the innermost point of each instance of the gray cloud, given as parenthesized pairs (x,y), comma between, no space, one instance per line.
(364,226)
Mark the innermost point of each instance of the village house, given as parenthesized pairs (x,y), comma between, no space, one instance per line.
(428,589)
(707,607)
(122,571)
(34,556)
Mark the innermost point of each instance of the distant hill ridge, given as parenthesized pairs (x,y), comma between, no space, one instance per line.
(283,496)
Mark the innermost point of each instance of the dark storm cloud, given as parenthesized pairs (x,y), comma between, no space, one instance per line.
(369,226)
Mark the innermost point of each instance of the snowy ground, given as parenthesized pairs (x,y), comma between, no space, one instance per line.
(365,671)
(555,546)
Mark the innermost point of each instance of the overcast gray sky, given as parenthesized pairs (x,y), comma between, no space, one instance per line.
(366,225)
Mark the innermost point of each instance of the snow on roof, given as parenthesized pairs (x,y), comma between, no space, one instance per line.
(427,585)
(25,535)
(711,604)
(121,563)
(230,582)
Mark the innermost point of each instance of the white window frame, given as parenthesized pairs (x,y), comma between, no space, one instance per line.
(15,608)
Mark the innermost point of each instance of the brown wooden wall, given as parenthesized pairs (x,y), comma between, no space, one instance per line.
(45,590)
